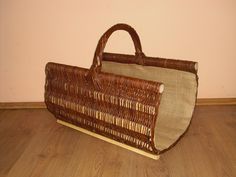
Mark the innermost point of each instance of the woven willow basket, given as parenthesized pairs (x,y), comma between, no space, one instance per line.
(120,99)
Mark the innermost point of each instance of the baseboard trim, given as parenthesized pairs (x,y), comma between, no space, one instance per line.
(22,105)
(216,101)
(41,105)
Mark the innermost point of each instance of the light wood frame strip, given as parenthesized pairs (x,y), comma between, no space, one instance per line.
(138,151)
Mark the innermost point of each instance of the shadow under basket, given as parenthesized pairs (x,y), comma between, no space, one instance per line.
(141,103)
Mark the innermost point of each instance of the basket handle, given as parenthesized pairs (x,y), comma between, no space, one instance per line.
(97,60)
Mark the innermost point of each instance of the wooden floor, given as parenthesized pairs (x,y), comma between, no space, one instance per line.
(33,144)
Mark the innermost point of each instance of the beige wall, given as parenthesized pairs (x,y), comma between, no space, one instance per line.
(33,32)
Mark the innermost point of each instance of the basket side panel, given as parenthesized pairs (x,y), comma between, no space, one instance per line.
(124,109)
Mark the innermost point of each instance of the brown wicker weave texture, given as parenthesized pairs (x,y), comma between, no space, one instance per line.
(121,108)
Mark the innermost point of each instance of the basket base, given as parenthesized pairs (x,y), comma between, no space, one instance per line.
(152,156)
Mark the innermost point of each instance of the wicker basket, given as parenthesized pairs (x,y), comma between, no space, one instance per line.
(119,98)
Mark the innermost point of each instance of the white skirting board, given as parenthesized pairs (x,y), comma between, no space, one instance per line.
(152,156)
